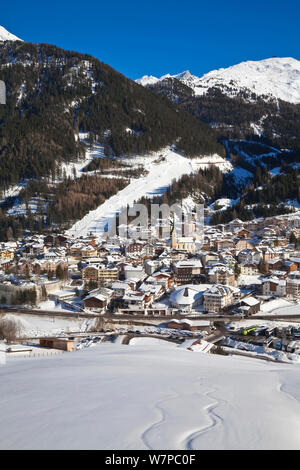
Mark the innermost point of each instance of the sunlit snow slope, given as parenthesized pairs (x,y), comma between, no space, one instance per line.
(163,167)
(114,396)
(7,36)
(277,77)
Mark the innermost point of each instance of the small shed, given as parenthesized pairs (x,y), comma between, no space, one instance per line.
(191,325)
(96,301)
(250,304)
(65,344)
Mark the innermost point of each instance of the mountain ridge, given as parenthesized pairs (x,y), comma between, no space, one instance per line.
(7,36)
(275,77)
(55,97)
(52,94)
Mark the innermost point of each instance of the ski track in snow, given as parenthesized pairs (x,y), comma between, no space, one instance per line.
(192,438)
(282,388)
(146,435)
(174,400)
(187,442)
(216,420)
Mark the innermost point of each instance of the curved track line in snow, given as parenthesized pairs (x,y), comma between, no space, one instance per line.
(145,436)
(216,420)
(281,388)
(186,443)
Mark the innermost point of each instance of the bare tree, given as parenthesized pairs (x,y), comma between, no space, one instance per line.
(10,330)
(97,325)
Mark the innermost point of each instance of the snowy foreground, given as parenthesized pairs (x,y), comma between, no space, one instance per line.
(148,396)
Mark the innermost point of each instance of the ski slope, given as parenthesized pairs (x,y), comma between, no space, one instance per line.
(163,167)
(148,396)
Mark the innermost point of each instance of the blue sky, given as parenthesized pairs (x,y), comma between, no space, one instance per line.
(158,37)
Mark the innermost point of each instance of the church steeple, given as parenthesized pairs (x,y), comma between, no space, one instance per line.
(173,232)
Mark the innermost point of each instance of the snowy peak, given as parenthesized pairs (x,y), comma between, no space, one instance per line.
(147,80)
(275,77)
(185,77)
(7,36)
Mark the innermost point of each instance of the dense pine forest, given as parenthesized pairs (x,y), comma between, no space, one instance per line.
(52,93)
(73,199)
(70,201)
(267,196)
(234,117)
(203,187)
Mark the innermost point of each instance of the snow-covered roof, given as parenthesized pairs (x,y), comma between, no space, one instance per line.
(218,290)
(96,296)
(187,294)
(251,301)
(195,263)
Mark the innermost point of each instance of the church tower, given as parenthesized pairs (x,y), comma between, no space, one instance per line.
(173,234)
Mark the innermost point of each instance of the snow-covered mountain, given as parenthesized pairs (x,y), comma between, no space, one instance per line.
(7,36)
(275,77)
(185,77)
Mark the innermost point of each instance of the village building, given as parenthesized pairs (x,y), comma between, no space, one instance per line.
(218,297)
(135,298)
(221,275)
(273,287)
(249,305)
(249,268)
(100,274)
(89,252)
(187,297)
(290,266)
(275,264)
(182,243)
(134,272)
(190,325)
(98,299)
(243,244)
(120,288)
(137,248)
(293,288)
(187,271)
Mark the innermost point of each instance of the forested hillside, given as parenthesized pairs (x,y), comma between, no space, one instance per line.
(273,121)
(53,96)
(52,93)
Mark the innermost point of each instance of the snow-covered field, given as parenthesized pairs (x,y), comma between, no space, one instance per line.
(45,325)
(163,167)
(144,396)
(279,306)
